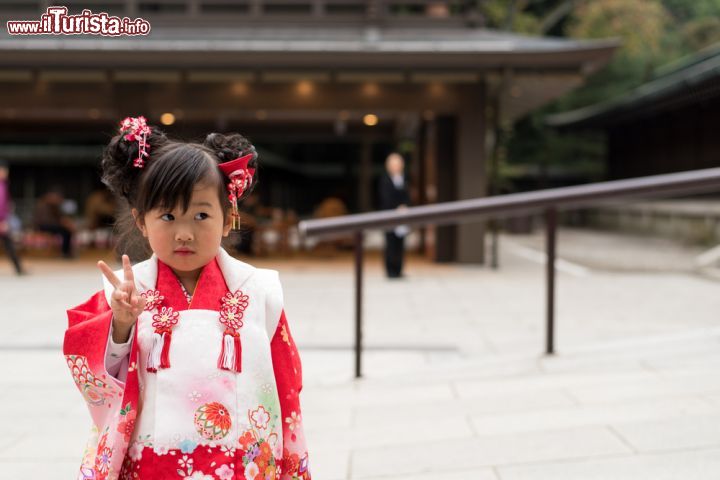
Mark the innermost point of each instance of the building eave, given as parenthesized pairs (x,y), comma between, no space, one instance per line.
(319,49)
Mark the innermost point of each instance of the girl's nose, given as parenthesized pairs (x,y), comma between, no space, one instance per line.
(183,236)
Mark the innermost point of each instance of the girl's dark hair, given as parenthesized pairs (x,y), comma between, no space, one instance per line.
(168,179)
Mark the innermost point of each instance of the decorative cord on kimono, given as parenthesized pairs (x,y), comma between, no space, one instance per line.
(232,310)
(231,314)
(163,323)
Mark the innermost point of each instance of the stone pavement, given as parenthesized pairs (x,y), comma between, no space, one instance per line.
(455,384)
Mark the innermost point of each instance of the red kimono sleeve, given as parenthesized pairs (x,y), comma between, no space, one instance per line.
(88,329)
(112,403)
(85,347)
(288,377)
(96,305)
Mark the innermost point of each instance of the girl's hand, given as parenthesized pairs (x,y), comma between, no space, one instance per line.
(125,301)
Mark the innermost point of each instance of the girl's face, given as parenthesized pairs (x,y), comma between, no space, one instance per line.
(187,241)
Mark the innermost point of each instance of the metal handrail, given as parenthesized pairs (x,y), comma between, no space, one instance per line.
(516,204)
(548,201)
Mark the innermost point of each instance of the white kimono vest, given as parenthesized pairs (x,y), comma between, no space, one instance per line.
(193,404)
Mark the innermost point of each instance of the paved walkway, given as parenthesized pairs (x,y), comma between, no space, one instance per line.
(455,387)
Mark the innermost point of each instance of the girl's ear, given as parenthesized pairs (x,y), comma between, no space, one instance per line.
(227,224)
(139,221)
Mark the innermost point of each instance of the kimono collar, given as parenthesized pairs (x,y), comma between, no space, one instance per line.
(208,291)
(234,272)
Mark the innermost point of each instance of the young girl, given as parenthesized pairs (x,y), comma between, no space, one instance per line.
(185,359)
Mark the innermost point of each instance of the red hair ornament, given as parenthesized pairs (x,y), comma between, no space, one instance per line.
(240,179)
(136,129)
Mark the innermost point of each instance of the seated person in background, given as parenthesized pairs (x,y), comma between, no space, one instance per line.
(332,206)
(50,218)
(100,209)
(251,213)
(100,212)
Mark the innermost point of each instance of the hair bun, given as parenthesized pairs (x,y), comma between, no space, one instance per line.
(229,147)
(118,171)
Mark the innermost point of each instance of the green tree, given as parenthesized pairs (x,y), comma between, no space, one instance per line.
(652,33)
(510,15)
(641,24)
(686,10)
(700,33)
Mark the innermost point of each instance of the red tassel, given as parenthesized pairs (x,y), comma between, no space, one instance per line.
(238,354)
(165,355)
(222,359)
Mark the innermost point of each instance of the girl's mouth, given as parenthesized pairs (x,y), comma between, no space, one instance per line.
(183,252)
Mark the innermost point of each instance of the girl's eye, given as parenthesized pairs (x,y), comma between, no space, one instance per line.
(167,217)
(201,216)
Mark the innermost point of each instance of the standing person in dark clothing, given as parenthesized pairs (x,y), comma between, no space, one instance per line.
(5,217)
(393,194)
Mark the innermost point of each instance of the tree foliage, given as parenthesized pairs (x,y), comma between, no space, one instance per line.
(640,24)
(652,32)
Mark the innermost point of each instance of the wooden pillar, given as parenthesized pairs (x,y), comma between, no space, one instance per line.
(428,192)
(446,185)
(471,175)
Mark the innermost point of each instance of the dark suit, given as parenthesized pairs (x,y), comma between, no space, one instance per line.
(390,198)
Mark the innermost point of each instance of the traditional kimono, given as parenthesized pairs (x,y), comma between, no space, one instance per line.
(186,417)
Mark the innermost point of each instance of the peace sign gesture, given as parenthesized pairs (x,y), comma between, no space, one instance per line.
(125,301)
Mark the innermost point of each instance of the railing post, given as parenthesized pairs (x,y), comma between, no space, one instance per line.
(494,254)
(551,229)
(358,301)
